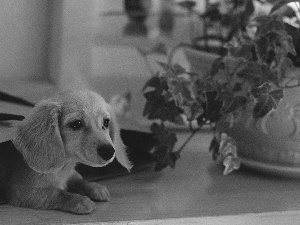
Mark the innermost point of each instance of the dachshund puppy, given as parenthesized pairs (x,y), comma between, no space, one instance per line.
(37,166)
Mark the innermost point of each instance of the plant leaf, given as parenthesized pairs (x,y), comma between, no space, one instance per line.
(171,70)
(274,44)
(178,69)
(243,51)
(183,91)
(211,108)
(234,103)
(164,154)
(285,66)
(155,82)
(251,72)
(279,4)
(266,100)
(267,24)
(157,107)
(217,65)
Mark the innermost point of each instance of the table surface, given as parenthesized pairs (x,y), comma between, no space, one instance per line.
(195,188)
(194,192)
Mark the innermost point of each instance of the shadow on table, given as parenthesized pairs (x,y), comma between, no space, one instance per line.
(248,180)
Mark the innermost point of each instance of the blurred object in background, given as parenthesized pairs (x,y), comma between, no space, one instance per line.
(137,12)
(133,28)
(121,104)
(166,21)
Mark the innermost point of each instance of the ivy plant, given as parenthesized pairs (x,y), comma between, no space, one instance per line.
(253,74)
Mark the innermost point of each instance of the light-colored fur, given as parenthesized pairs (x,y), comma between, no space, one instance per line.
(41,173)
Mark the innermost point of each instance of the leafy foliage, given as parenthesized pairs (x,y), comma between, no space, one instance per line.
(253,73)
(259,76)
(157,105)
(164,154)
(266,100)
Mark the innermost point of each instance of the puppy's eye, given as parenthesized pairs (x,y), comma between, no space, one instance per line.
(106,123)
(76,125)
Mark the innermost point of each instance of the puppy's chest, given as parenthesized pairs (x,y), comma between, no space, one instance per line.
(64,174)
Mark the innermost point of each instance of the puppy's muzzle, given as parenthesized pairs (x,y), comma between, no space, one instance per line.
(106,152)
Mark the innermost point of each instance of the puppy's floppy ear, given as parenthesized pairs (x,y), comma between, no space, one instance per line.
(38,138)
(120,148)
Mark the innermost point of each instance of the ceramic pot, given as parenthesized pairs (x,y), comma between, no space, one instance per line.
(200,61)
(270,144)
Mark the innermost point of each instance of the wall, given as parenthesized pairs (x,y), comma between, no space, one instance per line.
(45,39)
(24,38)
(71,41)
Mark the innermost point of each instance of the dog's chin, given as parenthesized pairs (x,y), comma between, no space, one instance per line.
(97,164)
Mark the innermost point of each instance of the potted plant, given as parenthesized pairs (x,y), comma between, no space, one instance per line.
(250,98)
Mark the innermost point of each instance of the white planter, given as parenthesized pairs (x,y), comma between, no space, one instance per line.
(200,61)
(270,144)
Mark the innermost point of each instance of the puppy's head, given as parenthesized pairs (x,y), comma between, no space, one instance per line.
(77,126)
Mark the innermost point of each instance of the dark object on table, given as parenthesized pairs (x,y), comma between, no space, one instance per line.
(133,28)
(7,116)
(139,145)
(15,100)
(136,10)
(166,22)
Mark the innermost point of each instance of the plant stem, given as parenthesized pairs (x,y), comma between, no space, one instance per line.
(187,140)
(292,86)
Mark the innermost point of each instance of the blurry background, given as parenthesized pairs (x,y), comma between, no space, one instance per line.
(49,45)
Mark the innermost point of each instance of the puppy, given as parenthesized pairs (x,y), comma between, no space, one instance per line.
(37,166)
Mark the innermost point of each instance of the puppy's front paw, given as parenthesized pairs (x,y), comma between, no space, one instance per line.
(97,192)
(80,205)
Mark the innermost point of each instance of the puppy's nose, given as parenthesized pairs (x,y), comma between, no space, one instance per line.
(106,152)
